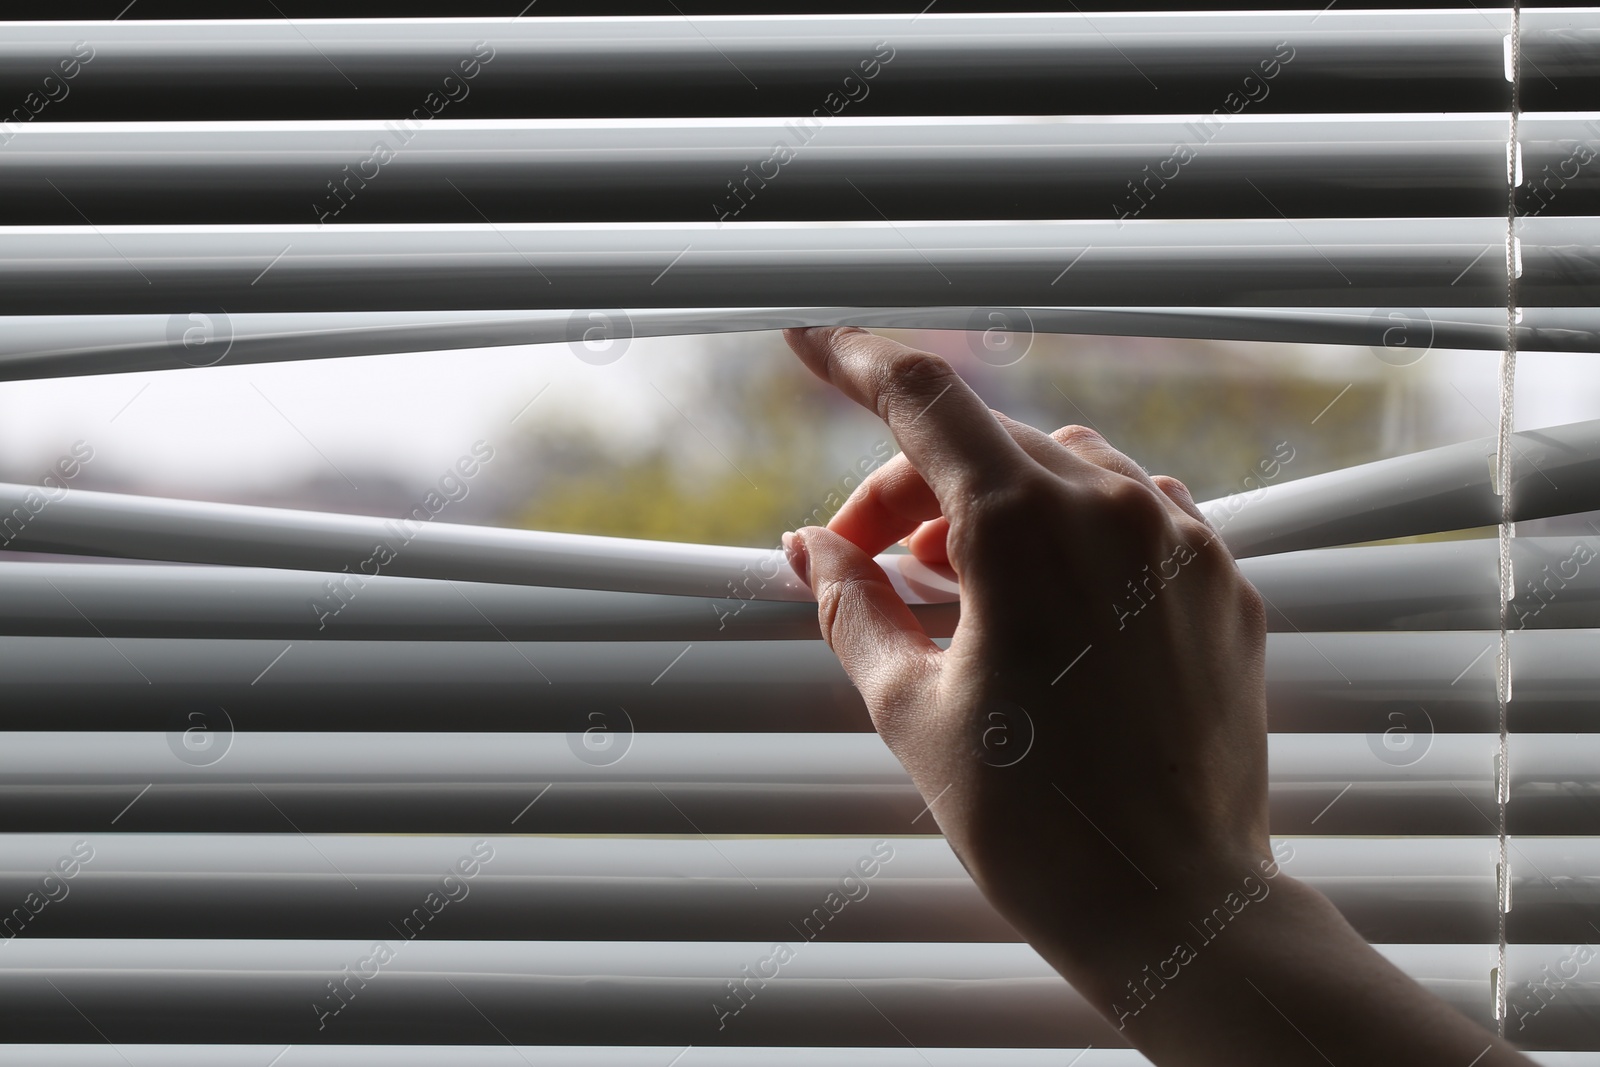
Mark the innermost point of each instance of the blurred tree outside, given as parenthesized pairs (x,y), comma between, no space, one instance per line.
(760,446)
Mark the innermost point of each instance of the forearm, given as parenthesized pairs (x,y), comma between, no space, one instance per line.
(1285,981)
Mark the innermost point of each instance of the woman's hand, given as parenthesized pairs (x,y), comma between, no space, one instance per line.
(1093,744)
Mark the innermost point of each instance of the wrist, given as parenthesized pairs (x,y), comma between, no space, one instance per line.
(1119,954)
(1202,939)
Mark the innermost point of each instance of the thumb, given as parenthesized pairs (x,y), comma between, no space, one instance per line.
(878,641)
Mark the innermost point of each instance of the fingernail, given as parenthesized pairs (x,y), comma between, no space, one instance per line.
(799,562)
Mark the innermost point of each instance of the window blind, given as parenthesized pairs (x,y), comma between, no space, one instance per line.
(207,837)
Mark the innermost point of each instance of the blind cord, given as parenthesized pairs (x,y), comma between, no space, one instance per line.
(1504,470)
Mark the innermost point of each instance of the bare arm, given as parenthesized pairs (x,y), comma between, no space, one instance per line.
(1124,831)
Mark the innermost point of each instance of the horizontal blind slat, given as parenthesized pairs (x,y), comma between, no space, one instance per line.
(947,167)
(1425,890)
(352,267)
(676,783)
(1317,683)
(52,346)
(1557,472)
(1419,44)
(999,994)
(1434,586)
(432,1055)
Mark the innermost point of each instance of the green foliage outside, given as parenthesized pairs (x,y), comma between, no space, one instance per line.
(763,445)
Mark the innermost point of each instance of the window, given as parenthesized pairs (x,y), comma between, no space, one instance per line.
(411,665)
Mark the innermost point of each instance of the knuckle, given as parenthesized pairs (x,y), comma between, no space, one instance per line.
(1075,434)
(1252,606)
(1131,503)
(1251,597)
(838,601)
(1213,550)
(1210,555)
(1199,537)
(830,603)
(1168,484)
(912,374)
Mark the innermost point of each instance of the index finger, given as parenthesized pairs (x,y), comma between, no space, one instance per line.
(944,428)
